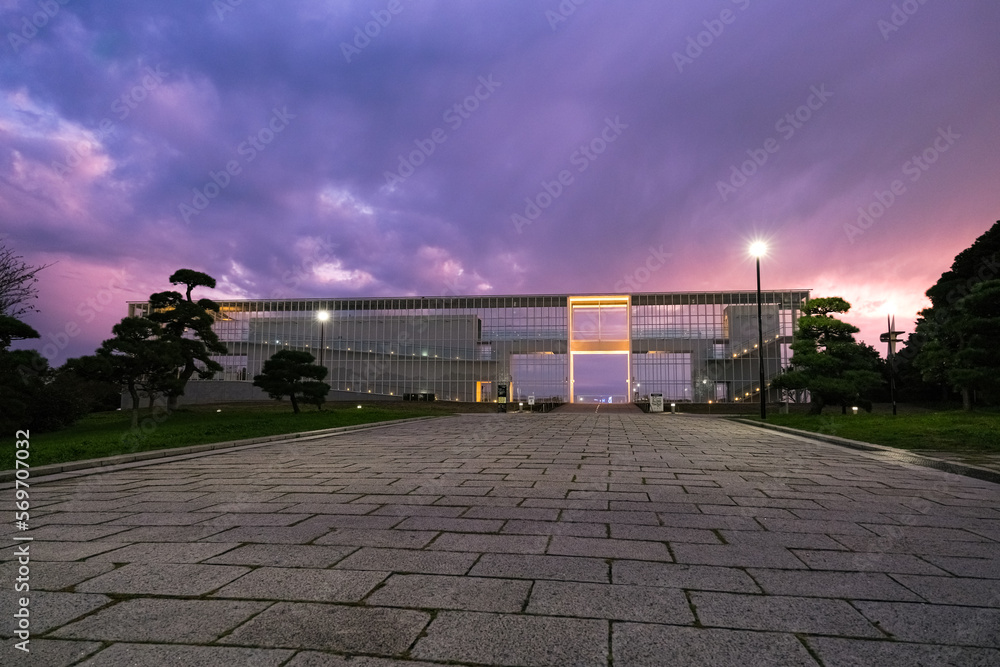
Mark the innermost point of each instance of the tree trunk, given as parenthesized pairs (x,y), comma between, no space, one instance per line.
(184,376)
(966,399)
(295,403)
(135,404)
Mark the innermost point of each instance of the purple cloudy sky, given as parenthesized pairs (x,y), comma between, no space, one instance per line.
(114,114)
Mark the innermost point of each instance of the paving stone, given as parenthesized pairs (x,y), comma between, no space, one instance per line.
(639,645)
(338,521)
(74,518)
(786,540)
(953,590)
(859,561)
(945,624)
(445,511)
(329,508)
(238,519)
(408,560)
(514,639)
(562,568)
(53,652)
(608,548)
(922,547)
(477,543)
(854,585)
(456,525)
(129,655)
(519,527)
(162,519)
(169,533)
(62,551)
(163,579)
(283,555)
(163,552)
(315,659)
(599,516)
(46,610)
(77,533)
(314,585)
(444,592)
(677,575)
(843,525)
(360,537)
(986,568)
(709,521)
(781,613)
(523,513)
(736,555)
(561,503)
(330,627)
(298,534)
(663,534)
(181,621)
(648,604)
(837,652)
(54,576)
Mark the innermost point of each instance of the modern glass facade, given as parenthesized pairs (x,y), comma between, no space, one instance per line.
(692,346)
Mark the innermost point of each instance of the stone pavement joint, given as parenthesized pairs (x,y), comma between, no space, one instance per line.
(536,539)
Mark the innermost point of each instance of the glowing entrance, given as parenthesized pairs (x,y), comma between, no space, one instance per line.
(599,325)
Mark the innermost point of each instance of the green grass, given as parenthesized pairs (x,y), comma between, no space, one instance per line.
(109,433)
(948,430)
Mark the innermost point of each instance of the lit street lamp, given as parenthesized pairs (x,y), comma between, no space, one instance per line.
(757,249)
(322,316)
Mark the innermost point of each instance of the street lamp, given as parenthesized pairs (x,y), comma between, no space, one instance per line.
(322,316)
(758,248)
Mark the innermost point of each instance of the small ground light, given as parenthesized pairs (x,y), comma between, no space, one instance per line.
(359,407)
(219,410)
(854,410)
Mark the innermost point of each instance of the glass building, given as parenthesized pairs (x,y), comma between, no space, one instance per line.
(689,346)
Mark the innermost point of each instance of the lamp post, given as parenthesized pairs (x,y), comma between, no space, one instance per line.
(757,249)
(322,316)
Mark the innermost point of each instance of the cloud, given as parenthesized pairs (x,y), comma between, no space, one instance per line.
(309,214)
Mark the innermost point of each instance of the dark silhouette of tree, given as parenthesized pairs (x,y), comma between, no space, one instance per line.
(138,358)
(180,314)
(953,352)
(292,373)
(17,283)
(826,360)
(18,369)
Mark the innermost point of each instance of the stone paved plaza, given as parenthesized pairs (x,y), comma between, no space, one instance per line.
(559,539)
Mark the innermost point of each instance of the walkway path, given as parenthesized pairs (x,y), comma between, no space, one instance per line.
(514,540)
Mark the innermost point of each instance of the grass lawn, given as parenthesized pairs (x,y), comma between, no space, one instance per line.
(109,434)
(946,430)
